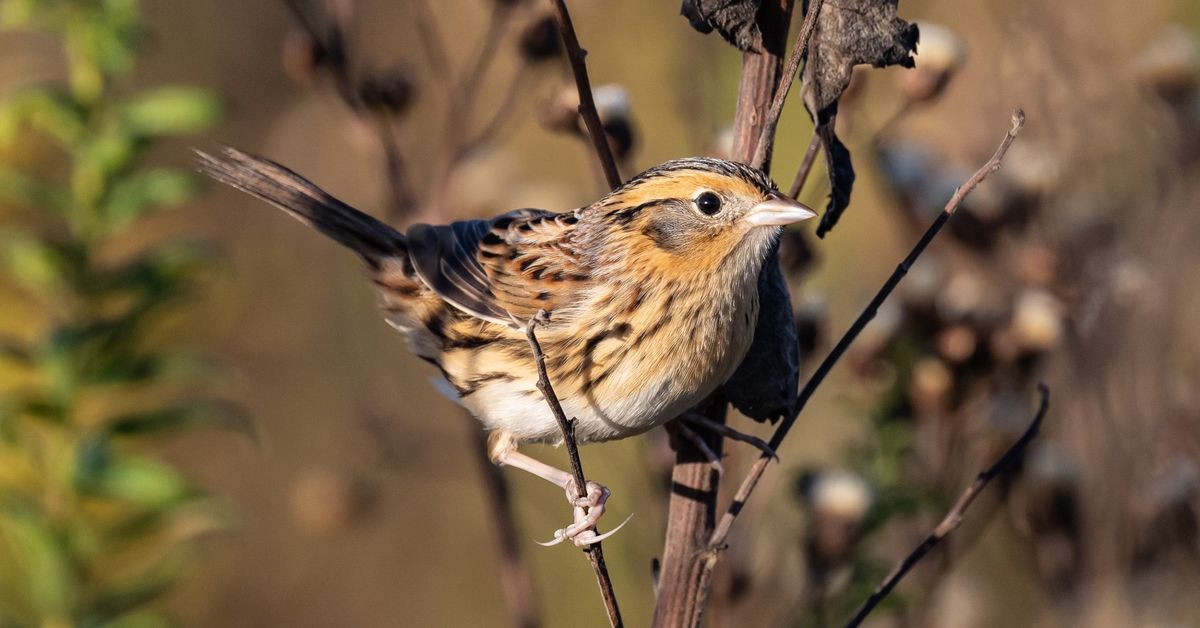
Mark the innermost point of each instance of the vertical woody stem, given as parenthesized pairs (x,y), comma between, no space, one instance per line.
(688,558)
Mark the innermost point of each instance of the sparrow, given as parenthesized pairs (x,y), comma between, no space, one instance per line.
(647,299)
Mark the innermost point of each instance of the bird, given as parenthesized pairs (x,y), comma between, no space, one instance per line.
(645,300)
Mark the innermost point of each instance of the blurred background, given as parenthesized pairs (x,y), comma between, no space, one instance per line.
(329,484)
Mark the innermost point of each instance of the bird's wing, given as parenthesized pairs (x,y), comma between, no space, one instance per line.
(502,270)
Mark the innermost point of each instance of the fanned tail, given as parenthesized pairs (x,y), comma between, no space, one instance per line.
(372,239)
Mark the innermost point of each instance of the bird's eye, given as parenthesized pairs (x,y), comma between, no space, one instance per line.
(708,203)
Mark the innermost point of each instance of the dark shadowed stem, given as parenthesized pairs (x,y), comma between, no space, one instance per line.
(587,105)
(594,553)
(810,156)
(514,575)
(954,518)
(762,149)
(402,200)
(760,465)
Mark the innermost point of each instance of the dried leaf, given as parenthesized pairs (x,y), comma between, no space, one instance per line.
(735,20)
(765,384)
(841,176)
(849,33)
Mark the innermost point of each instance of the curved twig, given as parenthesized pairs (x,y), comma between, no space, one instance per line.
(762,149)
(594,553)
(954,517)
(721,532)
(587,105)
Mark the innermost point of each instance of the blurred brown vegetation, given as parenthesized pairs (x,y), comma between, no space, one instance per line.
(362,506)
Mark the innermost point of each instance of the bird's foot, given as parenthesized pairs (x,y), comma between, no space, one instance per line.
(587,511)
(707,424)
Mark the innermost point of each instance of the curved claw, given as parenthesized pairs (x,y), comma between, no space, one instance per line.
(582,538)
(596,538)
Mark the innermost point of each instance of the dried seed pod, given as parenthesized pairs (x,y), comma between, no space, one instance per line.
(956,343)
(940,54)
(612,104)
(1170,65)
(390,92)
(559,112)
(836,504)
(810,317)
(1037,321)
(539,40)
(931,386)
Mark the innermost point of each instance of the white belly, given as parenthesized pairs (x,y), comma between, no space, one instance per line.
(517,407)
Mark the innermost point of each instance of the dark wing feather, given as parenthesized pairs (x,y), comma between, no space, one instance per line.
(501,270)
(445,257)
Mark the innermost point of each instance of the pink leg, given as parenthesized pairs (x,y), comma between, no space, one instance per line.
(586,510)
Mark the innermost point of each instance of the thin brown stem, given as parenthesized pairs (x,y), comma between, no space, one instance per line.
(762,149)
(587,105)
(594,552)
(515,579)
(954,517)
(818,376)
(810,157)
(396,171)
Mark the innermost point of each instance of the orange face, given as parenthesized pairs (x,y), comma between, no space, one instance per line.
(690,219)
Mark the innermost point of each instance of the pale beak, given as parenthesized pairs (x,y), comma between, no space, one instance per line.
(778,210)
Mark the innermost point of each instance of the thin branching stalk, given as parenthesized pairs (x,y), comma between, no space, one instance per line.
(954,517)
(766,140)
(587,105)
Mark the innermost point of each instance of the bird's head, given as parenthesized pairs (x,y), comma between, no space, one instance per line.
(691,216)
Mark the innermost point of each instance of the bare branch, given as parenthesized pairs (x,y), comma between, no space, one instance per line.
(954,518)
(514,574)
(587,105)
(806,164)
(760,466)
(594,553)
(762,149)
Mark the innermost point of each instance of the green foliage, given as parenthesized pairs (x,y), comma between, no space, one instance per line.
(93,527)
